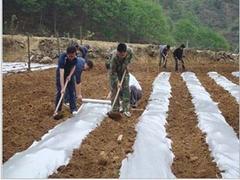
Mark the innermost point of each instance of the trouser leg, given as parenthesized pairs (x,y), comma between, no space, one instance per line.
(113,94)
(164,62)
(183,66)
(72,96)
(126,94)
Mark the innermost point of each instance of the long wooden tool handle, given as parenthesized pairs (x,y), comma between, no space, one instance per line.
(60,100)
(119,88)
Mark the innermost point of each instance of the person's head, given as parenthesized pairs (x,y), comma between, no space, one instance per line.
(168,47)
(88,65)
(182,46)
(122,50)
(71,52)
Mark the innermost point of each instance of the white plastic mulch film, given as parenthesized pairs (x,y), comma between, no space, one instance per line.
(221,138)
(236,74)
(232,88)
(152,156)
(14,67)
(55,148)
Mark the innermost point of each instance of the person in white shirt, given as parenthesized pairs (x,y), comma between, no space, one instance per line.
(135,91)
(164,49)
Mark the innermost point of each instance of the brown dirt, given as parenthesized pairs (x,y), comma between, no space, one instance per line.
(101,151)
(226,103)
(230,77)
(192,158)
(28,103)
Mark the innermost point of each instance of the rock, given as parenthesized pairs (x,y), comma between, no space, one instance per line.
(46,60)
(102,153)
(152,50)
(103,159)
(193,158)
(119,139)
(129,150)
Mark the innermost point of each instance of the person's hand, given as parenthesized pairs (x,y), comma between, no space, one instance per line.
(108,96)
(68,78)
(119,85)
(62,91)
(79,97)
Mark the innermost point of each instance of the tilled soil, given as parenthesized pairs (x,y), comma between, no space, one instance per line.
(101,151)
(28,105)
(230,77)
(192,157)
(226,103)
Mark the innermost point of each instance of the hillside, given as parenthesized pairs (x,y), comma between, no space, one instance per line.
(222,16)
(200,23)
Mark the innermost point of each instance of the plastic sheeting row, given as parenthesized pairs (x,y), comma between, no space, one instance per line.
(152,156)
(55,148)
(236,74)
(232,88)
(221,138)
(14,67)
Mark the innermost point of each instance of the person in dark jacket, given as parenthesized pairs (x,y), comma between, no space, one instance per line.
(82,65)
(178,55)
(66,67)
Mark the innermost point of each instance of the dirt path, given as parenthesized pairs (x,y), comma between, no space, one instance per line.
(230,77)
(100,155)
(227,103)
(192,158)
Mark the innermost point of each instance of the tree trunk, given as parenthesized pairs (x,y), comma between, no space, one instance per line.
(55,20)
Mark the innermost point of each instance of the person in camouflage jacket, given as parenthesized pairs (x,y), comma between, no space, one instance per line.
(118,63)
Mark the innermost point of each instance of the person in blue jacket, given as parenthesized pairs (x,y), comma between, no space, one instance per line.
(83,51)
(65,70)
(82,65)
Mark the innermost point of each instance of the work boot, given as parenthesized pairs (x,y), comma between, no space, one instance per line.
(134,106)
(66,104)
(74,113)
(127,114)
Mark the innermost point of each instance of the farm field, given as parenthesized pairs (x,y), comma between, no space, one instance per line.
(28,105)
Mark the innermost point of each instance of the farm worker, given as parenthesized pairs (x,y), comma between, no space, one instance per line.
(178,55)
(83,51)
(135,91)
(164,49)
(119,62)
(66,67)
(82,65)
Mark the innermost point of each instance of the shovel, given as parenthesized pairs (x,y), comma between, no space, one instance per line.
(56,115)
(112,114)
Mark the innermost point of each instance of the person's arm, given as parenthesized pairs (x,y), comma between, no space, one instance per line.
(130,59)
(61,64)
(113,69)
(71,73)
(62,80)
(79,91)
(175,53)
(78,73)
(162,53)
(109,95)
